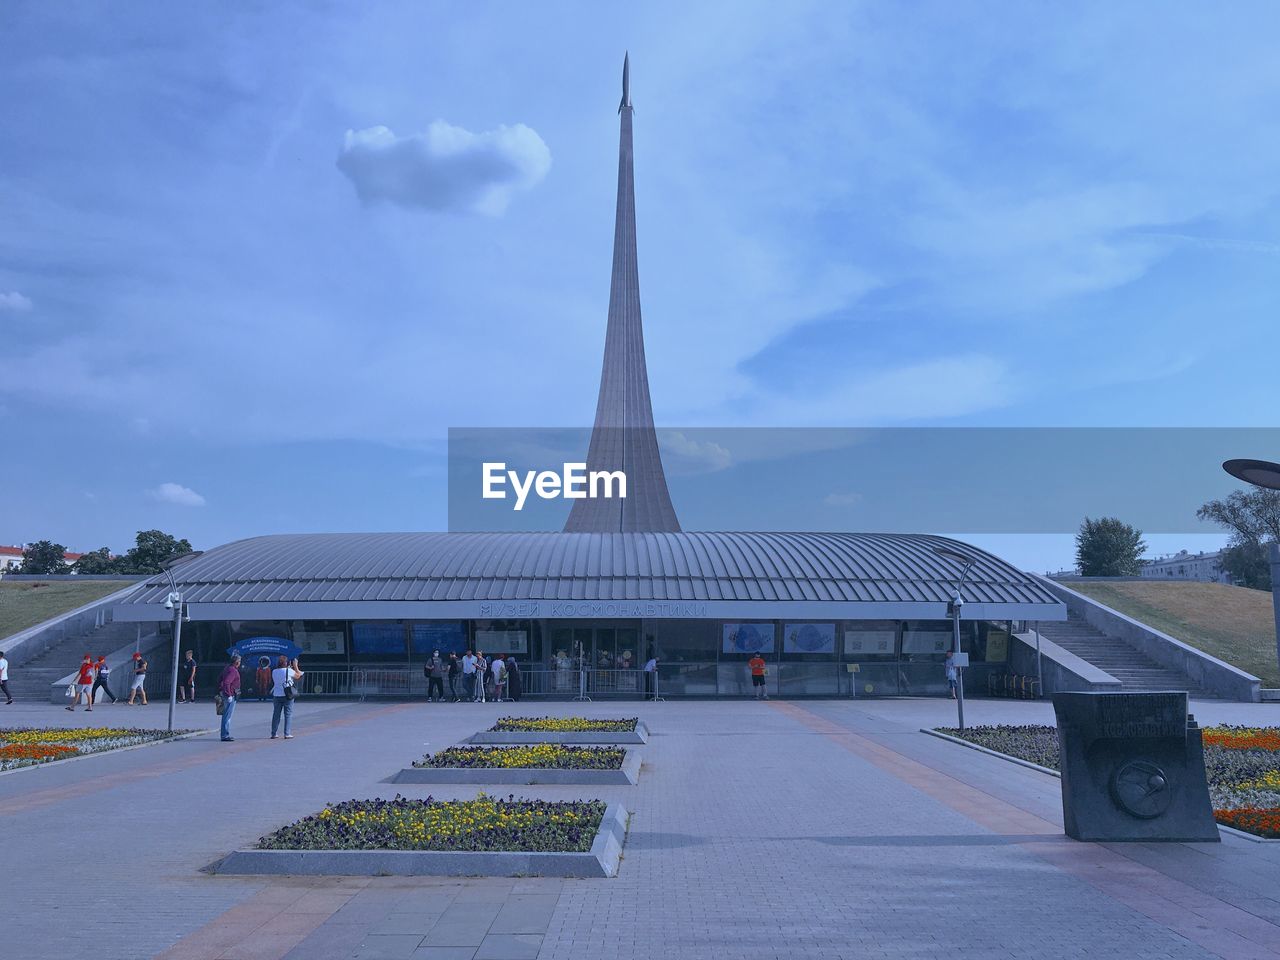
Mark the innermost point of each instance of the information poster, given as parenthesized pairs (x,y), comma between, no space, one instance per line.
(749,638)
(869,643)
(502,641)
(448,636)
(378,638)
(320,642)
(809,638)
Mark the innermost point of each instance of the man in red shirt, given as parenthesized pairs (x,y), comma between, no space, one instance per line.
(84,684)
(758,671)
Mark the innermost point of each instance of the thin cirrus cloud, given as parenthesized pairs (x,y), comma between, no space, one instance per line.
(14,302)
(445,169)
(177,494)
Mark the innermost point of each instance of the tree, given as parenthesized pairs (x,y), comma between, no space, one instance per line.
(44,556)
(1108,547)
(95,562)
(153,548)
(1253,517)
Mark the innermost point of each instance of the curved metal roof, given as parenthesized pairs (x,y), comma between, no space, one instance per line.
(364,569)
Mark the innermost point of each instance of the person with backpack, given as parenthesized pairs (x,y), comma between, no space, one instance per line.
(101,680)
(433,670)
(139,679)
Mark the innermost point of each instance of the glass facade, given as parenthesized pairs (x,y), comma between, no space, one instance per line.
(697,658)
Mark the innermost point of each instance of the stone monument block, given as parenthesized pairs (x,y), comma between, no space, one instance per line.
(1132,768)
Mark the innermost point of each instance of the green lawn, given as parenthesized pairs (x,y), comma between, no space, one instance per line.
(27,603)
(1234,624)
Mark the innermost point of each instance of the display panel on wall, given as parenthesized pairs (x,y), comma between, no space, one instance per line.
(447,636)
(502,641)
(381,638)
(872,639)
(320,641)
(809,638)
(749,637)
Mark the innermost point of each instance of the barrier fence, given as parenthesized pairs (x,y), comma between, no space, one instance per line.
(678,679)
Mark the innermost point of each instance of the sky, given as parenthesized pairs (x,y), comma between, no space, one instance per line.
(257,259)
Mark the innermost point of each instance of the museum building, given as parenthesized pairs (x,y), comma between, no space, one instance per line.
(834,614)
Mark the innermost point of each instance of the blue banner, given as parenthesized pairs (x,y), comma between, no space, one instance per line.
(264,646)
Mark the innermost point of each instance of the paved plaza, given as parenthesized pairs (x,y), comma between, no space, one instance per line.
(824,829)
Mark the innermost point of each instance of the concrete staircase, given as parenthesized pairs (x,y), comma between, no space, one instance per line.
(1132,668)
(30,681)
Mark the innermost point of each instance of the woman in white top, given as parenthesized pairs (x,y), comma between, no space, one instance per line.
(283,680)
(499,677)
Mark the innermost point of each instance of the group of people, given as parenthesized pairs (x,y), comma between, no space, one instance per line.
(283,680)
(473,677)
(94,675)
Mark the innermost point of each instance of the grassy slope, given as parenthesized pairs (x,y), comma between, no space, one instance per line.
(1231,623)
(25,604)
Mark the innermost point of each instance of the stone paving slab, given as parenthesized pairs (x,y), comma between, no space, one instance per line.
(757,832)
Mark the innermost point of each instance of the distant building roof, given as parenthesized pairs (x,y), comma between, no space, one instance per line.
(505,575)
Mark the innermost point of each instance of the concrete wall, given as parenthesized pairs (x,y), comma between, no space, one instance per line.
(1209,672)
(1062,670)
(28,644)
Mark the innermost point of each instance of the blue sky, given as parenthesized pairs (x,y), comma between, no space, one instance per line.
(256,259)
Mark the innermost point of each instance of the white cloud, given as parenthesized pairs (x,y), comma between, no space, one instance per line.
(176,493)
(682,454)
(445,169)
(14,302)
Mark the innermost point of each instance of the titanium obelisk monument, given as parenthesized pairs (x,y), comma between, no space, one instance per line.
(623,437)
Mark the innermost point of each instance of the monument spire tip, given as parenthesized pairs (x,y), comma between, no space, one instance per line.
(626,82)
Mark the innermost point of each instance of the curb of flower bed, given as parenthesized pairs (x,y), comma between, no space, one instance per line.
(639,735)
(105,753)
(601,861)
(627,774)
(1242,834)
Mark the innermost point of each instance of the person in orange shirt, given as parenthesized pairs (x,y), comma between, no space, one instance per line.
(758,673)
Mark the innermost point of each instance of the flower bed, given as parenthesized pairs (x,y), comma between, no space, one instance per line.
(25,747)
(484,824)
(565,725)
(546,756)
(1241,763)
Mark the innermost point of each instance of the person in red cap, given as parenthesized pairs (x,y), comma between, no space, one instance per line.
(84,684)
(139,679)
(102,678)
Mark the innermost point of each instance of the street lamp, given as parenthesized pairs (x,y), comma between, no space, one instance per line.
(1265,474)
(174,603)
(957,601)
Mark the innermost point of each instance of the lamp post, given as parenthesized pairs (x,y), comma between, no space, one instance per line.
(174,603)
(1265,474)
(957,601)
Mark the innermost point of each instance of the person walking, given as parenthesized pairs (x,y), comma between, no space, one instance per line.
(482,676)
(434,670)
(229,690)
(515,682)
(469,675)
(139,687)
(84,684)
(4,678)
(953,672)
(187,679)
(102,679)
(499,669)
(283,691)
(453,670)
(262,679)
(758,673)
(651,678)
